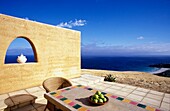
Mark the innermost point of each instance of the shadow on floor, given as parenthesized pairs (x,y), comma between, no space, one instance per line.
(18,101)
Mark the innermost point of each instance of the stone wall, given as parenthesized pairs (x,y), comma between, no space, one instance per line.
(57,51)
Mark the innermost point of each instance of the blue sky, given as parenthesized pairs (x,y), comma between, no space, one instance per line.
(108,27)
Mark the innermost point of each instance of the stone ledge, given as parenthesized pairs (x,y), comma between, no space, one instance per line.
(17,101)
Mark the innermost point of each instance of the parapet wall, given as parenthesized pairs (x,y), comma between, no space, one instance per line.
(57,51)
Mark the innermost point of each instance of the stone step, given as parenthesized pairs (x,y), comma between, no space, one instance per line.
(18,101)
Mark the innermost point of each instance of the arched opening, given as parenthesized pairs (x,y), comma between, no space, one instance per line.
(21,45)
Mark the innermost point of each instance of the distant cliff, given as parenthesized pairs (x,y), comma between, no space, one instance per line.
(165,73)
(160,65)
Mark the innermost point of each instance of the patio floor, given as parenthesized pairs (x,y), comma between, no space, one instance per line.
(152,98)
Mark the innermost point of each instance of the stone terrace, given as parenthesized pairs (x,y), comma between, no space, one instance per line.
(152,98)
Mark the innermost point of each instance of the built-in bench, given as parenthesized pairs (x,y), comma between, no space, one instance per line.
(17,101)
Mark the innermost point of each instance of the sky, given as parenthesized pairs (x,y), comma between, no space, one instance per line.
(108,27)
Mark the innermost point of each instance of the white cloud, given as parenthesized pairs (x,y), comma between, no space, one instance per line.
(142,49)
(65,25)
(71,23)
(140,38)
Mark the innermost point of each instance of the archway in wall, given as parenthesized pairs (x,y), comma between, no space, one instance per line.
(20,45)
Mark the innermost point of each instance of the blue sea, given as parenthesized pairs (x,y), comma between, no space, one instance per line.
(13,58)
(110,63)
(123,63)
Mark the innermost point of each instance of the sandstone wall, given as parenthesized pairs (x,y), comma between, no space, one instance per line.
(57,51)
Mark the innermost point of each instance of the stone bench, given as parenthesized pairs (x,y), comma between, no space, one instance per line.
(17,101)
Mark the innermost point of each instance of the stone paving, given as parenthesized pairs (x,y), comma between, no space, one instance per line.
(152,98)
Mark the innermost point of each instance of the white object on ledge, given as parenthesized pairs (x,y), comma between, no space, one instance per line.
(21,59)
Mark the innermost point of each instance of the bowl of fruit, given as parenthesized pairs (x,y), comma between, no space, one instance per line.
(98,99)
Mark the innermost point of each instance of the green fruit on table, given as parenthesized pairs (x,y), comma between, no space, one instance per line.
(101,96)
(100,100)
(104,99)
(95,100)
(98,92)
(92,99)
(96,96)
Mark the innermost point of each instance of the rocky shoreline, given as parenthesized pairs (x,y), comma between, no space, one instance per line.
(163,71)
(140,79)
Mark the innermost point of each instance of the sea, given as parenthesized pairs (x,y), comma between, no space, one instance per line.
(111,63)
(13,58)
(124,63)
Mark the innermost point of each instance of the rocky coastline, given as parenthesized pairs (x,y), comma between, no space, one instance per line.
(140,79)
(163,71)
